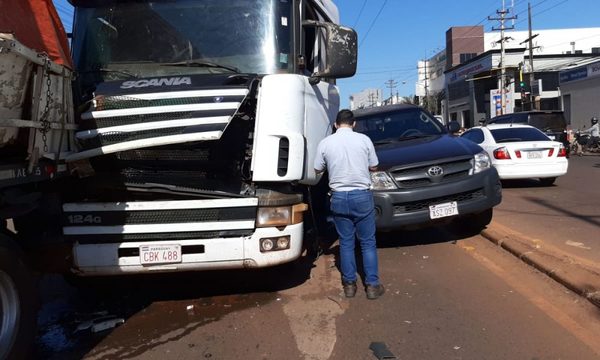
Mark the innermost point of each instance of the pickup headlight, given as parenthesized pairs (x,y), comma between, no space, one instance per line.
(481,161)
(382,181)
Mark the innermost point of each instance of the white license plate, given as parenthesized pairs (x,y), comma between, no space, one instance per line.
(160,254)
(534,154)
(443,210)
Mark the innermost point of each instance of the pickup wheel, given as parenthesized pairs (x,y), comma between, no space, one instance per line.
(473,224)
(18,302)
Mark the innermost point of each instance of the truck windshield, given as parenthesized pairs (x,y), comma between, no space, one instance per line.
(115,40)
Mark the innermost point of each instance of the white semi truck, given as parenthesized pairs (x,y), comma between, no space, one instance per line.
(187,142)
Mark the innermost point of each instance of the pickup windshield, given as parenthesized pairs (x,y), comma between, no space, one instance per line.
(165,37)
(399,125)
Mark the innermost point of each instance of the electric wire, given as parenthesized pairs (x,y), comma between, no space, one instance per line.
(373,23)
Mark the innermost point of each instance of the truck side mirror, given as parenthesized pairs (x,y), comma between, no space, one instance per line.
(341,48)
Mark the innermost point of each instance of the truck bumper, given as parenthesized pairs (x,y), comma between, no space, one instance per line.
(201,254)
(407,208)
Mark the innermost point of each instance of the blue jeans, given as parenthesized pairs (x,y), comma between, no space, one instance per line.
(354,217)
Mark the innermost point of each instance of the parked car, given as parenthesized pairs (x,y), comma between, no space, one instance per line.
(550,122)
(521,151)
(425,174)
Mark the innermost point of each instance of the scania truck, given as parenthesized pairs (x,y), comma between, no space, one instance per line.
(186,143)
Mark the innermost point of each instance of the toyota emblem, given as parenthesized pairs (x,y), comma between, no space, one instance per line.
(218,99)
(435,171)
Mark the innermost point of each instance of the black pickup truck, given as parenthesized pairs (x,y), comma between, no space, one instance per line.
(425,174)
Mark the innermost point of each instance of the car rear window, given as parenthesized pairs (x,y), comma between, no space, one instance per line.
(518,134)
(544,122)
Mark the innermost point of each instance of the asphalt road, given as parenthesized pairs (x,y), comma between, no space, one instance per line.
(448,297)
(565,216)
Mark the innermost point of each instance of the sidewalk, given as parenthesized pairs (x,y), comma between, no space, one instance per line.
(579,276)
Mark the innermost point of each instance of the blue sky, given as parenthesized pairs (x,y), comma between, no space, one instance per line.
(395,34)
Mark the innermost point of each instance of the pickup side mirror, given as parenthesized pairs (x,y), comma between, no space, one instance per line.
(453,126)
(341,50)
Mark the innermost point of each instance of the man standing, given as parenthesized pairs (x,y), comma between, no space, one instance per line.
(348,157)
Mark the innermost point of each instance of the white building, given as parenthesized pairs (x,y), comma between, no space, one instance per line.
(366,98)
(580,94)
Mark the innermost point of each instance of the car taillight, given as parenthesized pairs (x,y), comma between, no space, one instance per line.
(562,151)
(501,154)
(550,152)
(518,153)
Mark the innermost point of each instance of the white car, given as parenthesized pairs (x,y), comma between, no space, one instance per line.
(521,151)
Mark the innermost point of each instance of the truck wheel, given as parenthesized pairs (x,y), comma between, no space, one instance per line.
(18,303)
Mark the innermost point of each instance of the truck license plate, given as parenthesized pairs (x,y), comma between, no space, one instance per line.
(160,254)
(443,210)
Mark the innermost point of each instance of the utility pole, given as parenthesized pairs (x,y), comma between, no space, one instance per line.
(391,84)
(503,39)
(531,48)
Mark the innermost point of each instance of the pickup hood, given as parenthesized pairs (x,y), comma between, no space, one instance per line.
(423,150)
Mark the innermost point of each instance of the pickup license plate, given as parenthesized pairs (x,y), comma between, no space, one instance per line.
(160,254)
(443,210)
(534,154)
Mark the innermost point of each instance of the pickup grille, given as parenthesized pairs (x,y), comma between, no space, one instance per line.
(424,204)
(418,176)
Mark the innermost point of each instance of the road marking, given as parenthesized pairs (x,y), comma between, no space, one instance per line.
(577,245)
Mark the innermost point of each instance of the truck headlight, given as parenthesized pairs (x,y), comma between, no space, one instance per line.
(280,215)
(380,180)
(481,161)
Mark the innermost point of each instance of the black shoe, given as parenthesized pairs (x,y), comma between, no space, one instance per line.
(349,288)
(374,291)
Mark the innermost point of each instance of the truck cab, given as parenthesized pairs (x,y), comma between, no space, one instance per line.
(198,125)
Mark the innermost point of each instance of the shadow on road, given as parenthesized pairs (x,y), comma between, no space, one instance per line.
(161,300)
(590,219)
(523,183)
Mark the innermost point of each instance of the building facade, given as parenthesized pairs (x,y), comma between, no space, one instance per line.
(580,94)
(471,81)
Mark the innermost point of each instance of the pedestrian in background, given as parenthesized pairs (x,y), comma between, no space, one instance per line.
(349,157)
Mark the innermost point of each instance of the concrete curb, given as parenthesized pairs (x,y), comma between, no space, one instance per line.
(565,270)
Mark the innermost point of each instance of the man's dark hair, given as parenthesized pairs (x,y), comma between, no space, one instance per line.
(345,117)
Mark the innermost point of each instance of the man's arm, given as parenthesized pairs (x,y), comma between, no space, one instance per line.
(319,164)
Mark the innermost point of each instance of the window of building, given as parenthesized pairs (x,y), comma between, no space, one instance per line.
(466,57)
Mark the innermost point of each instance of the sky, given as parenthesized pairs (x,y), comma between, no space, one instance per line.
(393,35)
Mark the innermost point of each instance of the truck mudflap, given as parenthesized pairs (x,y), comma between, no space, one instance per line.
(136,121)
(164,236)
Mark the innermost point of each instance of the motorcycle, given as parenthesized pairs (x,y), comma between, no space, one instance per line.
(583,143)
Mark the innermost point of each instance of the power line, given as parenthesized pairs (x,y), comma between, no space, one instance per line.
(360,13)
(373,23)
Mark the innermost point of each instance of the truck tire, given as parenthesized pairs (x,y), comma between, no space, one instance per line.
(18,303)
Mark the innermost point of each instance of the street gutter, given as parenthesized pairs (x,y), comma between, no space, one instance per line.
(566,270)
